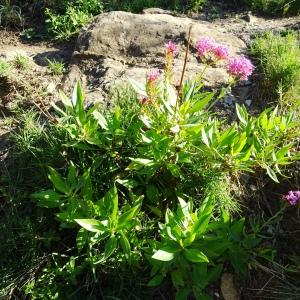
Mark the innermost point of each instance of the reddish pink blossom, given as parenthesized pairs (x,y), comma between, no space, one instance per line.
(220,51)
(171,48)
(205,45)
(240,67)
(153,75)
(293,197)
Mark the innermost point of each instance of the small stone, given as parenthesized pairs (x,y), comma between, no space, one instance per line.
(228,289)
(253,187)
(248,102)
(229,99)
(51,87)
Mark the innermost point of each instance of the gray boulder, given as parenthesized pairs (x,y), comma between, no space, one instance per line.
(120,45)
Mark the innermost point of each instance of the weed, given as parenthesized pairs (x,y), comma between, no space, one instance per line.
(4,68)
(56,67)
(21,62)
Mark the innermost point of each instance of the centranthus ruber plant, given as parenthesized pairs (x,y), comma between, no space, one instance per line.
(128,166)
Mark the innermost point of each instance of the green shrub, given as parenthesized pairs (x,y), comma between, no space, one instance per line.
(11,15)
(143,187)
(64,27)
(274,7)
(278,57)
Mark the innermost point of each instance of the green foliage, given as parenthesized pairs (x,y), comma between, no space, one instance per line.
(64,27)
(4,68)
(139,5)
(278,57)
(194,246)
(139,185)
(275,7)
(134,164)
(56,67)
(11,15)
(21,62)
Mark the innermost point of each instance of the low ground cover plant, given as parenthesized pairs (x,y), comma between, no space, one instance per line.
(145,187)
(278,61)
(56,67)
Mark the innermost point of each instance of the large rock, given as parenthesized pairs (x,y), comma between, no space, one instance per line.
(120,45)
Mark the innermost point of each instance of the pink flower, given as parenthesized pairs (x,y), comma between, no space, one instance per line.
(293,197)
(153,75)
(171,48)
(240,67)
(220,51)
(204,45)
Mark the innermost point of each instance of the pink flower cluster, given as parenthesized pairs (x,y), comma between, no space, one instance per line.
(206,45)
(293,197)
(171,48)
(240,67)
(153,75)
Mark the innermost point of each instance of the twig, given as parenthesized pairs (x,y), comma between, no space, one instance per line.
(185,60)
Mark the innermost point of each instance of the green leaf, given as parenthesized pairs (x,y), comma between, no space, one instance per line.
(138,163)
(155,210)
(91,225)
(113,194)
(272,174)
(127,216)
(182,294)
(77,100)
(196,256)
(156,280)
(199,104)
(164,254)
(100,119)
(128,183)
(65,100)
(242,114)
(214,273)
(177,278)
(81,239)
(236,229)
(152,193)
(110,246)
(238,259)
(204,137)
(201,224)
(125,244)
(48,199)
(138,87)
(58,181)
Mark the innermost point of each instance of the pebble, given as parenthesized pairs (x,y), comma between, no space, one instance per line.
(248,102)
(51,88)
(229,99)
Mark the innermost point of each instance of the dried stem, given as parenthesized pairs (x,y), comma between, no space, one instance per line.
(185,60)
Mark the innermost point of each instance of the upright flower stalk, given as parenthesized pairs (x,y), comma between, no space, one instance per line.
(171,51)
(152,77)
